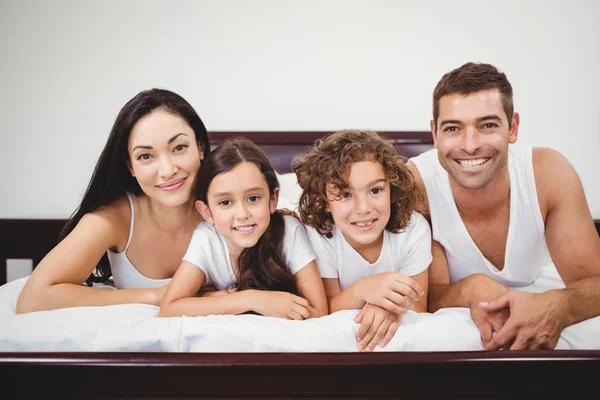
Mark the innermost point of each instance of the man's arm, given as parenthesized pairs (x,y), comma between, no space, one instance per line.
(571,236)
(464,293)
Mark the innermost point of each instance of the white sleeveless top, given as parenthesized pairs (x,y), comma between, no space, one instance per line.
(526,249)
(125,275)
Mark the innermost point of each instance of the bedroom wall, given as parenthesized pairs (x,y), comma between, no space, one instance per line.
(66,68)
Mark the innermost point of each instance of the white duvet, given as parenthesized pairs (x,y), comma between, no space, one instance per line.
(137,328)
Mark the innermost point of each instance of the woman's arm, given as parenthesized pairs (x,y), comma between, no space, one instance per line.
(310,286)
(57,282)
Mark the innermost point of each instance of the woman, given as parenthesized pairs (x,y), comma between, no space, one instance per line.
(137,216)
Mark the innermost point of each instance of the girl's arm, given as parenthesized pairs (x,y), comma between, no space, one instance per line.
(57,282)
(180,299)
(310,286)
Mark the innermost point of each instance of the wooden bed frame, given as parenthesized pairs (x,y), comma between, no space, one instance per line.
(281,375)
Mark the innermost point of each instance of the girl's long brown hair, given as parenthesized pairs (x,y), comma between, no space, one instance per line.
(261,266)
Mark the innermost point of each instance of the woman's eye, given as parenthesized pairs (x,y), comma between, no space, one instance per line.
(253,198)
(376,190)
(180,147)
(346,195)
(144,157)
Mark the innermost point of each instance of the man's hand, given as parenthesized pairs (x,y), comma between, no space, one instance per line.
(377,326)
(488,321)
(535,322)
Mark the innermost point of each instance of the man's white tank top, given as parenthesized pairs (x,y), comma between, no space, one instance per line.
(125,275)
(526,249)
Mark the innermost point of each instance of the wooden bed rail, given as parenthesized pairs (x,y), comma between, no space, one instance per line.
(520,375)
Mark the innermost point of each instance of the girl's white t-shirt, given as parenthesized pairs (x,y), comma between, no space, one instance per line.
(208,251)
(407,252)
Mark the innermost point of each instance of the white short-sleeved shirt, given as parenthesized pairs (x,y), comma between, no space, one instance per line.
(407,252)
(208,251)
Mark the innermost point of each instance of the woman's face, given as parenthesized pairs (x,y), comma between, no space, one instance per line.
(164,157)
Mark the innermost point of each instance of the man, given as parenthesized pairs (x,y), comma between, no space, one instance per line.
(514,237)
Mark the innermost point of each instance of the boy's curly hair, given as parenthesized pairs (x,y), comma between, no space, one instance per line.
(329,162)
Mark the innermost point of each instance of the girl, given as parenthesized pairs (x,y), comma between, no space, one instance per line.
(137,214)
(258,260)
(372,248)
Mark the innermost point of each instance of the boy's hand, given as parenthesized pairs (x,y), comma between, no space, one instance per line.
(377,326)
(391,291)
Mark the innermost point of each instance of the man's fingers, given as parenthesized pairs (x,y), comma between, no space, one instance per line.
(521,342)
(505,335)
(485,331)
(497,303)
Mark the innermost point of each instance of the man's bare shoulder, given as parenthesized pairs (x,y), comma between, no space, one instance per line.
(549,164)
(554,174)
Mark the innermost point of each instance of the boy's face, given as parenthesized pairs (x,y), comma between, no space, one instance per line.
(240,206)
(472,137)
(362,211)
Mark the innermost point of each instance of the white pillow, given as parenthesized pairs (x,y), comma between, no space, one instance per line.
(289,192)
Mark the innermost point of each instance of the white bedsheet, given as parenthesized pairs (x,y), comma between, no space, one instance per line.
(137,328)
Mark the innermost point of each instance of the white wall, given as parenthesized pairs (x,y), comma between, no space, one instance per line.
(67,67)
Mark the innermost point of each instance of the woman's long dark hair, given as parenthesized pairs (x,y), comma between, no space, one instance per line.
(111,177)
(262,266)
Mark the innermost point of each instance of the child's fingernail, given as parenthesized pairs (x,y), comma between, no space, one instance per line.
(360,348)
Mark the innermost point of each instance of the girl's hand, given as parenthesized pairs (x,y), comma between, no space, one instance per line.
(391,291)
(280,304)
(377,326)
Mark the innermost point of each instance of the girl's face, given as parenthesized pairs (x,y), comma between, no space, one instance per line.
(164,157)
(362,211)
(240,206)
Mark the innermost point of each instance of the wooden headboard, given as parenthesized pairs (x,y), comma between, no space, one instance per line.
(281,147)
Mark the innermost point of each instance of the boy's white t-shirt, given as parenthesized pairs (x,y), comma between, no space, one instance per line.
(208,251)
(407,252)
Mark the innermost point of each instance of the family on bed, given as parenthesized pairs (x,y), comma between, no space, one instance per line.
(479,222)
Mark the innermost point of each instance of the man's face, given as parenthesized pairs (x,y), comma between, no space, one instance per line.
(472,137)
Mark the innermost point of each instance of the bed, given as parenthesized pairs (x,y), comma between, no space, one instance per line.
(125,352)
